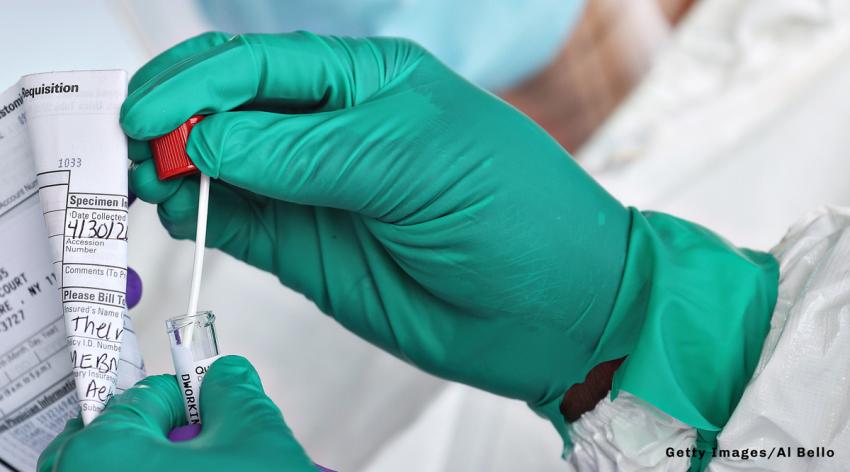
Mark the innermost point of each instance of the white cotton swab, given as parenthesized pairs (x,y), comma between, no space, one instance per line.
(171,160)
(200,244)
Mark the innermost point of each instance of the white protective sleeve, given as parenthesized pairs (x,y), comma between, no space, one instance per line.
(628,434)
(796,408)
(798,400)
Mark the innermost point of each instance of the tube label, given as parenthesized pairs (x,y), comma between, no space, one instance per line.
(190,375)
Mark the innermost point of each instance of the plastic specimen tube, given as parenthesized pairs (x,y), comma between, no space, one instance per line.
(193,348)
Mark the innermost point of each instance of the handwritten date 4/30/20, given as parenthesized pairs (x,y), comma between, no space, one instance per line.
(86,228)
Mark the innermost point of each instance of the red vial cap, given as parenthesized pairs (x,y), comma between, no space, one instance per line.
(169,152)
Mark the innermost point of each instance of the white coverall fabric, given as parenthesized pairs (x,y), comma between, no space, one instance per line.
(741,125)
(628,434)
(798,396)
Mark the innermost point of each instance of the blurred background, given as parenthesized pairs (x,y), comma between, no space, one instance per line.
(734,114)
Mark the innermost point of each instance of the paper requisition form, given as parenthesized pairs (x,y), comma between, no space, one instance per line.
(66,342)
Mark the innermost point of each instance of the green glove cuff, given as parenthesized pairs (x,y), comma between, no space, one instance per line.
(706,440)
(691,314)
(695,311)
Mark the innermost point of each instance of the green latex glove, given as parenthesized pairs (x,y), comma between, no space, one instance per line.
(426,215)
(242,430)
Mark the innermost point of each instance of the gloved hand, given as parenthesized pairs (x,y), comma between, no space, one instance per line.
(439,223)
(424,214)
(242,429)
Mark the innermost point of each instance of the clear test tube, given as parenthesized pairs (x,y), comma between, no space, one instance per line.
(193,348)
